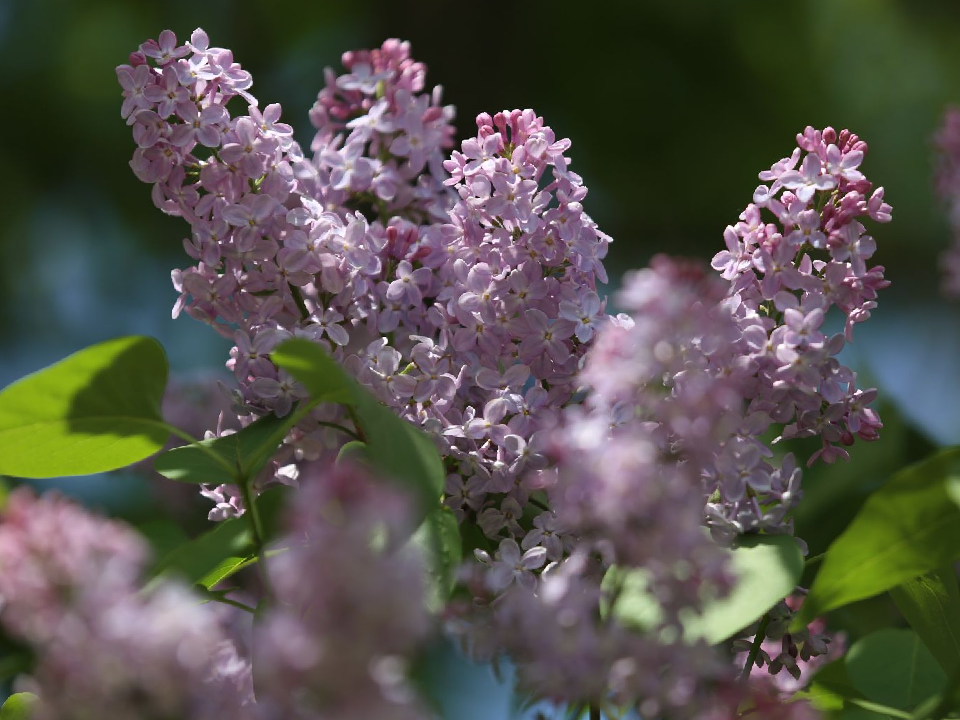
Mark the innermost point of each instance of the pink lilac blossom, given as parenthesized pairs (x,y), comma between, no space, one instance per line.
(104,647)
(670,436)
(565,653)
(784,278)
(623,493)
(330,645)
(947,143)
(663,397)
(462,292)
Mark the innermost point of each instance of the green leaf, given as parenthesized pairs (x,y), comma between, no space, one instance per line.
(200,557)
(893,667)
(931,604)
(909,527)
(401,451)
(831,687)
(228,548)
(227,459)
(18,706)
(355,452)
(164,535)
(438,539)
(851,712)
(315,370)
(229,566)
(96,410)
(832,692)
(397,448)
(636,606)
(767,568)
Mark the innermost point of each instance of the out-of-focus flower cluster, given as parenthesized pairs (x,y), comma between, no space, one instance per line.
(70,590)
(326,645)
(947,143)
(624,494)
(331,640)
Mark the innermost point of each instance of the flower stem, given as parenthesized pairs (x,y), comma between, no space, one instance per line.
(536,503)
(341,428)
(755,648)
(594,712)
(256,530)
(234,603)
(298,299)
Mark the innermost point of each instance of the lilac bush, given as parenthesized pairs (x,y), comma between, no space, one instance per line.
(591,491)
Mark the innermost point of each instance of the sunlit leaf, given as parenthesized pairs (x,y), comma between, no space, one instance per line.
(18,706)
(830,688)
(228,567)
(767,568)
(316,370)
(226,459)
(96,410)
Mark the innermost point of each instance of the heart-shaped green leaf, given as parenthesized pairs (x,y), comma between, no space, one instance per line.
(96,410)
(767,568)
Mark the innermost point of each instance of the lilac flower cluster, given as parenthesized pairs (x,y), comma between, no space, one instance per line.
(784,278)
(463,293)
(330,641)
(947,142)
(465,303)
(681,395)
(623,493)
(104,648)
(378,136)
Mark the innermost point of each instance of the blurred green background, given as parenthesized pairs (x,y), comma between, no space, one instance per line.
(672,107)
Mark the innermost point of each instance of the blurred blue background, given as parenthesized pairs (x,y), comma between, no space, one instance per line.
(672,107)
